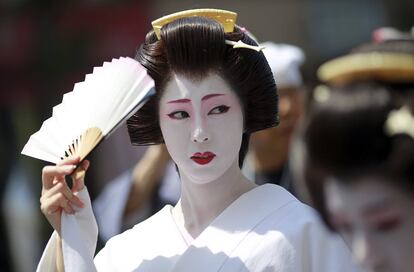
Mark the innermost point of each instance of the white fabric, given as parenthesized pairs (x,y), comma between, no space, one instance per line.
(284,60)
(266,229)
(79,237)
(109,206)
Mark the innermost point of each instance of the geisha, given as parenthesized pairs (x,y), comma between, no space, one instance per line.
(213,89)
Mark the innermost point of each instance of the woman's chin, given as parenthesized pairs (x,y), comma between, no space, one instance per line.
(204,177)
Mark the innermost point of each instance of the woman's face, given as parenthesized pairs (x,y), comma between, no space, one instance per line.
(202,125)
(275,141)
(377,221)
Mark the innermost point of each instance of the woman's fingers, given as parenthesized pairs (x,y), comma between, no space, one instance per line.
(69,160)
(56,194)
(65,204)
(64,189)
(50,172)
(54,174)
(56,202)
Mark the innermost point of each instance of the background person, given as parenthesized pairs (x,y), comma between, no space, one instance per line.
(358,152)
(137,193)
(267,161)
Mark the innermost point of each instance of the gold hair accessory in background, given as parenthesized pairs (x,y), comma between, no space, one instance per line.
(388,66)
(400,122)
(226,18)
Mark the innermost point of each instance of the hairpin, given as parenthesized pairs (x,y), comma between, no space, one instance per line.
(400,121)
(240,44)
(226,18)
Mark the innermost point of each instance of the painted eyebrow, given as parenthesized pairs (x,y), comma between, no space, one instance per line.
(383,206)
(210,96)
(185,100)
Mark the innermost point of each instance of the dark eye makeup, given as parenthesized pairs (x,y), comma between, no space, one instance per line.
(388,224)
(178,115)
(219,109)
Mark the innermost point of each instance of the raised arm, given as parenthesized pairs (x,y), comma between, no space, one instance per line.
(57,197)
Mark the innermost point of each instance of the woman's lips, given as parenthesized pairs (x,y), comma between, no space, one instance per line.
(203,158)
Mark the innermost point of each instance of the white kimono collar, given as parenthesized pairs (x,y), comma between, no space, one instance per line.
(232,226)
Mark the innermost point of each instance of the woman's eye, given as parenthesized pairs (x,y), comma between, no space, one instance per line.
(219,110)
(388,225)
(178,115)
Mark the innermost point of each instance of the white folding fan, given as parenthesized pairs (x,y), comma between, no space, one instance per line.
(91,111)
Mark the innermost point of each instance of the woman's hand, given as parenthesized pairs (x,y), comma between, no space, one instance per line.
(56,194)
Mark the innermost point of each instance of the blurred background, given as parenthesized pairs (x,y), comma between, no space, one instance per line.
(46,46)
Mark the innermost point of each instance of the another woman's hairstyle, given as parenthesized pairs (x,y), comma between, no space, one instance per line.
(195,47)
(344,136)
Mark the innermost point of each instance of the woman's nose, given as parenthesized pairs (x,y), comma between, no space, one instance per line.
(199,133)
(366,252)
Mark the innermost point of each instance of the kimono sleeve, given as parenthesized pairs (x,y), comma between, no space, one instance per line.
(79,237)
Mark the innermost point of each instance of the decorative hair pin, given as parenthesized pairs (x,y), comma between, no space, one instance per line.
(240,44)
(400,122)
(226,18)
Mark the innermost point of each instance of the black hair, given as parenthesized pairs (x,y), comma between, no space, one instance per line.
(195,47)
(345,137)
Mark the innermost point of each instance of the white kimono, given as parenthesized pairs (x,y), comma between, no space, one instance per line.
(266,229)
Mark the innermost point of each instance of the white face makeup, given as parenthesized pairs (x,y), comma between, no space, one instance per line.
(376,220)
(202,125)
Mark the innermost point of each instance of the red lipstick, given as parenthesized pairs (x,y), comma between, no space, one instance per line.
(203,158)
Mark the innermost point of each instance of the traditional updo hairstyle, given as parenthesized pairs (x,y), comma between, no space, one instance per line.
(344,136)
(195,47)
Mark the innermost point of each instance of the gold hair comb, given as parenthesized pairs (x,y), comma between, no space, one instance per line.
(226,18)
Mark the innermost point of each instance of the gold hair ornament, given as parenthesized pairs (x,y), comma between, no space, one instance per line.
(226,18)
(400,121)
(388,66)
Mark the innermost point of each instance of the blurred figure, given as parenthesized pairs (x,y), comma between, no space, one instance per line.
(267,160)
(138,193)
(7,159)
(389,33)
(356,152)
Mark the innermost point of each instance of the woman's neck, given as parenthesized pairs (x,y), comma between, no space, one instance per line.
(200,204)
